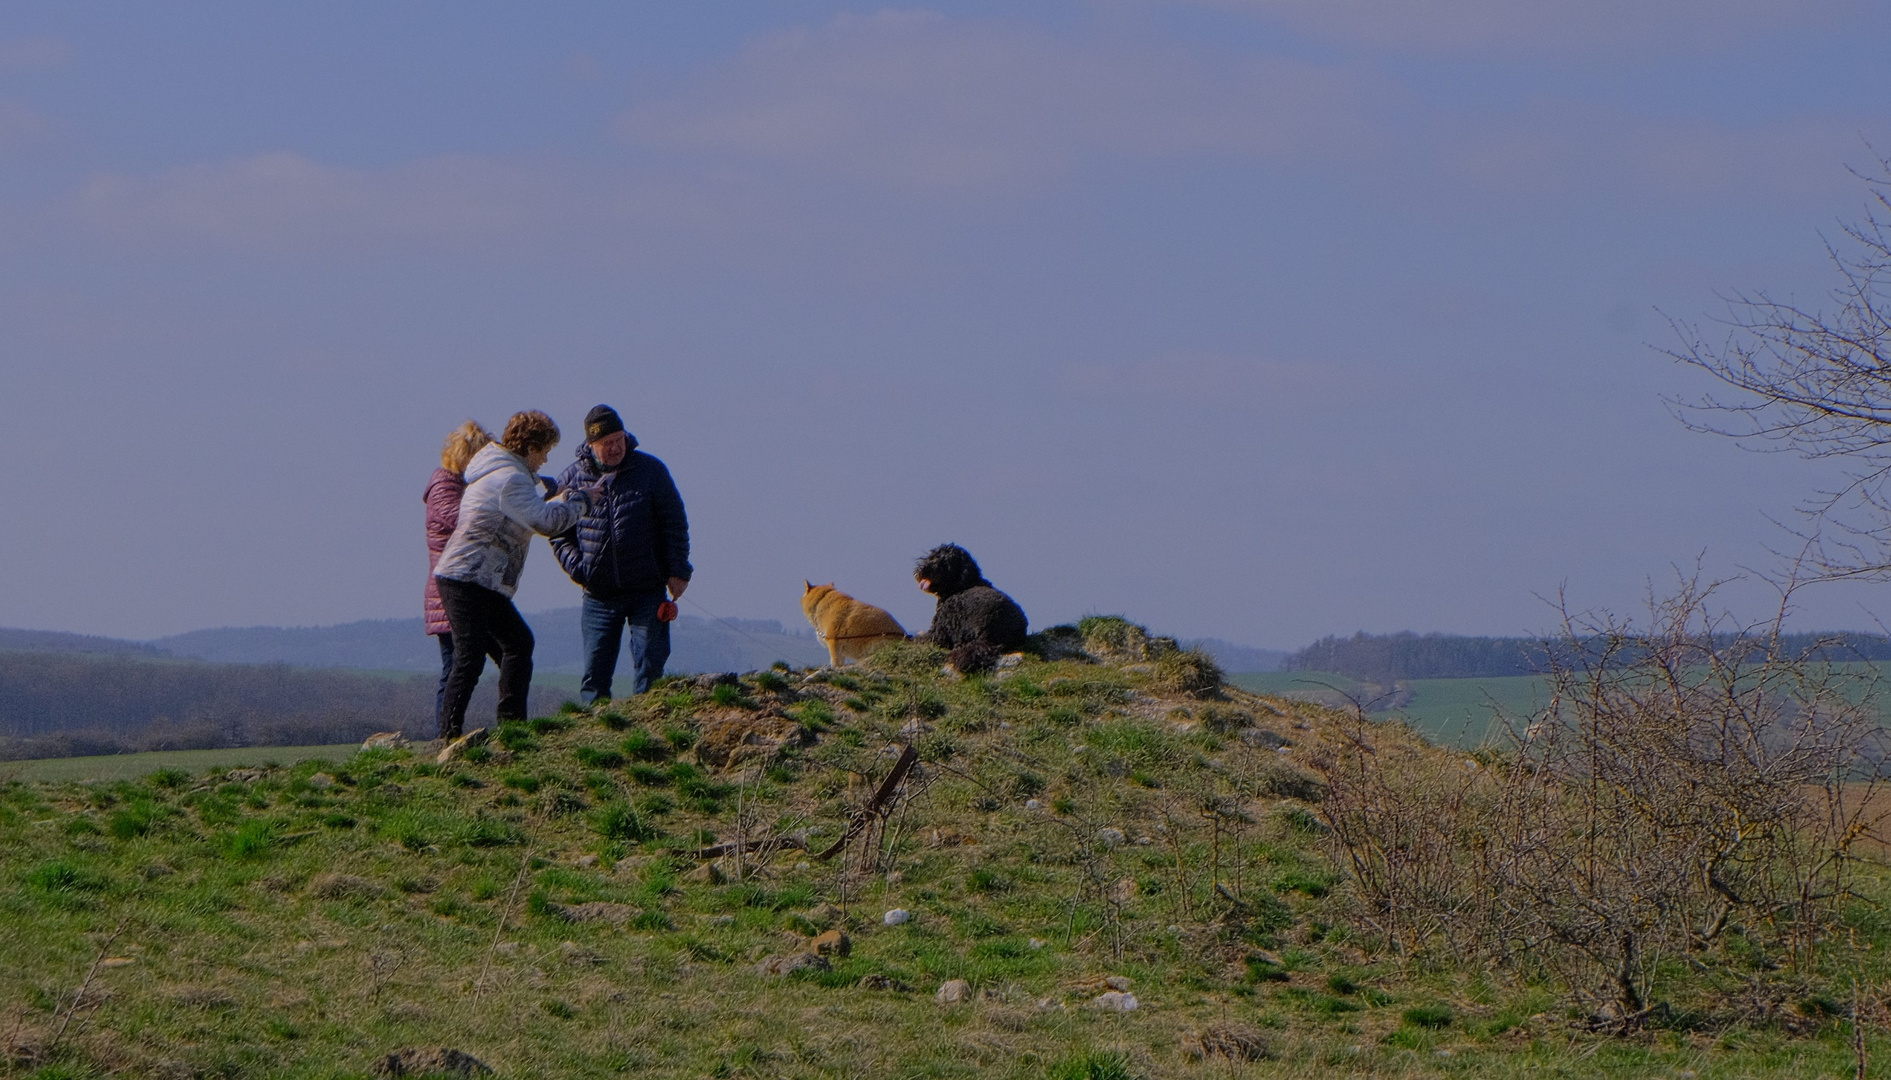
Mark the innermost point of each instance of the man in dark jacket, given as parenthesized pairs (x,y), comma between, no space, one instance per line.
(631,547)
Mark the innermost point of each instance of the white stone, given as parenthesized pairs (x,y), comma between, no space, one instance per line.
(1110,837)
(1115,1001)
(953,990)
(1034,804)
(1038,943)
(897,916)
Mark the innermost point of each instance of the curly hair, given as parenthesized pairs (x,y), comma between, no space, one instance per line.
(528,432)
(467,439)
(950,568)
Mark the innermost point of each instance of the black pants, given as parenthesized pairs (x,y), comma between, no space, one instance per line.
(483,618)
(446,668)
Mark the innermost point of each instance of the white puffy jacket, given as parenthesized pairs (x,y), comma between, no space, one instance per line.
(498,515)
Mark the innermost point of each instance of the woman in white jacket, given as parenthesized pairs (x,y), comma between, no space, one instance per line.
(478,572)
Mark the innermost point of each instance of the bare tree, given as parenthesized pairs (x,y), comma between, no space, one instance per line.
(1815,381)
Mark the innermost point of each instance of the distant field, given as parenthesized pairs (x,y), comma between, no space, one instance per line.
(132,766)
(1455,712)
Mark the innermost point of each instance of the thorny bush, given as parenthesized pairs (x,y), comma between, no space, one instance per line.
(1691,792)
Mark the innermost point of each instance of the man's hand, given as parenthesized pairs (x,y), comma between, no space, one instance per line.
(677,585)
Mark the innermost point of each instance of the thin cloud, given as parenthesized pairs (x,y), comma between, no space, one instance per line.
(918,99)
(1560,148)
(286,200)
(33,53)
(1197,380)
(20,123)
(1540,26)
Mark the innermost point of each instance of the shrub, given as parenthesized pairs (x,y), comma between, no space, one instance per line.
(252,840)
(771,680)
(909,659)
(619,822)
(64,876)
(170,778)
(1188,671)
(649,775)
(135,819)
(515,737)
(592,757)
(815,715)
(1429,1016)
(1094,1065)
(642,745)
(547,725)
(482,831)
(1690,793)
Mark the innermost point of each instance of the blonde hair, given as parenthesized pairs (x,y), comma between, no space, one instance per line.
(467,439)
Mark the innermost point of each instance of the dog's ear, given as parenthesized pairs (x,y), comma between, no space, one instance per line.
(809,584)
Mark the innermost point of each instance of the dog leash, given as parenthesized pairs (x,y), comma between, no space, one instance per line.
(699,607)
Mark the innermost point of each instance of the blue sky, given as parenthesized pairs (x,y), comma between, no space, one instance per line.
(1263,319)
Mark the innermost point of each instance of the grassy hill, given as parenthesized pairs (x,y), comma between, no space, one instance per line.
(1075,836)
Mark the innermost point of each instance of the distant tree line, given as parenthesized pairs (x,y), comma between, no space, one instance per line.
(64,704)
(1406,655)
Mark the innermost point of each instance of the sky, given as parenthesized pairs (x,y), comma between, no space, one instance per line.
(1255,319)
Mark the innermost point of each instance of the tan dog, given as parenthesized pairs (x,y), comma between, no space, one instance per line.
(849,628)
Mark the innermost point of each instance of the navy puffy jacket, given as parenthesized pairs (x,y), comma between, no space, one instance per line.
(635,538)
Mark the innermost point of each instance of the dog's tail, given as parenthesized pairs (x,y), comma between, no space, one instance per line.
(974,656)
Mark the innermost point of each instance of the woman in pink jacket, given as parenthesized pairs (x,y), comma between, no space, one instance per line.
(444,489)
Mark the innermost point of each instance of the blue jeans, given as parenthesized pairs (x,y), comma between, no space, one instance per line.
(604,622)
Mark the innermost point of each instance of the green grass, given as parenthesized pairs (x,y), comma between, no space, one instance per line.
(293,926)
(132,766)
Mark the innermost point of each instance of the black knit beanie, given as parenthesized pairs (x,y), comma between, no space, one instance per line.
(601,421)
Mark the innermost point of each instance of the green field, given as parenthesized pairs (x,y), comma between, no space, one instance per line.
(133,766)
(1454,712)
(1451,712)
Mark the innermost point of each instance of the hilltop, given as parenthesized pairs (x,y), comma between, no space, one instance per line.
(1097,862)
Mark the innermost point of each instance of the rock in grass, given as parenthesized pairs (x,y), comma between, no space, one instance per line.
(1236,1042)
(882,982)
(953,991)
(1111,837)
(1115,1001)
(897,916)
(346,887)
(415,1061)
(384,740)
(458,747)
(793,962)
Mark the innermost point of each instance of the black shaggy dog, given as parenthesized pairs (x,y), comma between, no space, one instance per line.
(976,622)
